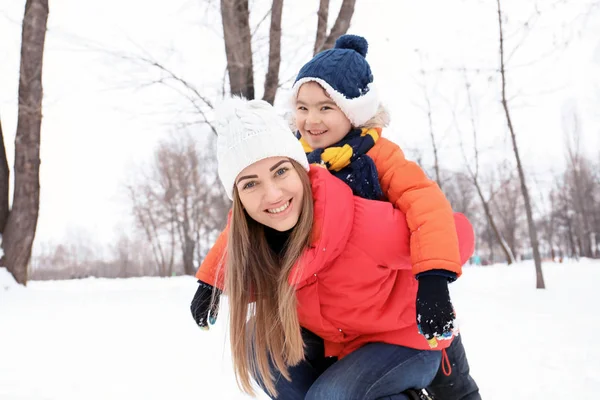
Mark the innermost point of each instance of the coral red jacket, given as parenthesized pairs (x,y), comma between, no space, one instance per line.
(355,283)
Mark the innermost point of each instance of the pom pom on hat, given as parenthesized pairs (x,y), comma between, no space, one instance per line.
(353,42)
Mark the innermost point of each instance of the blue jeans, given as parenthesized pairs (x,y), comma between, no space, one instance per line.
(459,385)
(375,371)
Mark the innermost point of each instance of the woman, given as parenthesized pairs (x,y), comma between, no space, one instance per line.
(325,276)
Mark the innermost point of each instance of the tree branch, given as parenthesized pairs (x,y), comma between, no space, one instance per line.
(341,25)
(272,78)
(322,17)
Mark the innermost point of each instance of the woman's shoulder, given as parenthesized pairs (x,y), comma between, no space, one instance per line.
(324,184)
(334,200)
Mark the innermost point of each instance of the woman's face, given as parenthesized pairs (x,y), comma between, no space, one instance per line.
(271,192)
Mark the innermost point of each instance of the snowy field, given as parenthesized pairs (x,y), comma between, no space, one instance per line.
(135,338)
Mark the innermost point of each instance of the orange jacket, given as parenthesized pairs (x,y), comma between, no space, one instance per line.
(433,239)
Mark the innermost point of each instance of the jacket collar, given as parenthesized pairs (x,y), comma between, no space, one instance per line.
(333,220)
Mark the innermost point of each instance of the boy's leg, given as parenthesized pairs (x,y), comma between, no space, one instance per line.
(376,371)
(304,374)
(459,385)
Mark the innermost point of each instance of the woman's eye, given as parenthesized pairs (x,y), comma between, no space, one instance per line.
(301,108)
(249,185)
(325,108)
(281,171)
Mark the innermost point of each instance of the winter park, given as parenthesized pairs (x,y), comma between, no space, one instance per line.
(333,199)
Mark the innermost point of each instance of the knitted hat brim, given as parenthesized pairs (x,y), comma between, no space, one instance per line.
(256,148)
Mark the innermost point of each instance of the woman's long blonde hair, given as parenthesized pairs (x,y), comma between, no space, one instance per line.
(263,317)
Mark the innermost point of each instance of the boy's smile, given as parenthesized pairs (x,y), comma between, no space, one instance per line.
(318,119)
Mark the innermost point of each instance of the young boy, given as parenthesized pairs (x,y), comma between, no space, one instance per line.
(339,119)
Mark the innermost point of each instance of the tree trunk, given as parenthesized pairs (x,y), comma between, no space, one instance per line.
(573,253)
(322,16)
(341,25)
(475,178)
(508,254)
(188,245)
(4,184)
(272,79)
(22,221)
(530,223)
(436,161)
(188,256)
(238,47)
(491,246)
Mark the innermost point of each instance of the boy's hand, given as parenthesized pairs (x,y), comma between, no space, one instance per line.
(201,308)
(435,313)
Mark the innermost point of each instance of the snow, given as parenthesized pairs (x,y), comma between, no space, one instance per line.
(135,338)
(7,282)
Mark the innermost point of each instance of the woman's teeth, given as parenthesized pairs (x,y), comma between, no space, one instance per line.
(317,132)
(279,209)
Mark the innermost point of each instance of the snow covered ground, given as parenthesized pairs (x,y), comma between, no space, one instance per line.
(135,338)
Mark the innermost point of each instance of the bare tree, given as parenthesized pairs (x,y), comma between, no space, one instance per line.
(238,46)
(526,200)
(272,78)
(485,202)
(596,208)
(124,256)
(340,27)
(549,226)
(190,192)
(156,226)
(460,191)
(4,183)
(235,15)
(427,109)
(19,232)
(81,258)
(474,173)
(322,17)
(180,203)
(238,35)
(566,219)
(507,204)
(580,185)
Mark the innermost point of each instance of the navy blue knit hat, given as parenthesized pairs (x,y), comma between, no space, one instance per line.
(345,75)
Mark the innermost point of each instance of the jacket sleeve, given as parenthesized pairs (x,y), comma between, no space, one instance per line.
(433,238)
(211,270)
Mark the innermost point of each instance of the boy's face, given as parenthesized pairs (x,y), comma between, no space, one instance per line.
(319,120)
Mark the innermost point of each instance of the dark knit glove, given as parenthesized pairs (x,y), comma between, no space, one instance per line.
(201,308)
(435,313)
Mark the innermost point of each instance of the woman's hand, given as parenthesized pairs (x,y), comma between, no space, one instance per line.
(202,310)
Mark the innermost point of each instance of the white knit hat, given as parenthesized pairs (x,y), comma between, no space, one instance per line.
(249,131)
